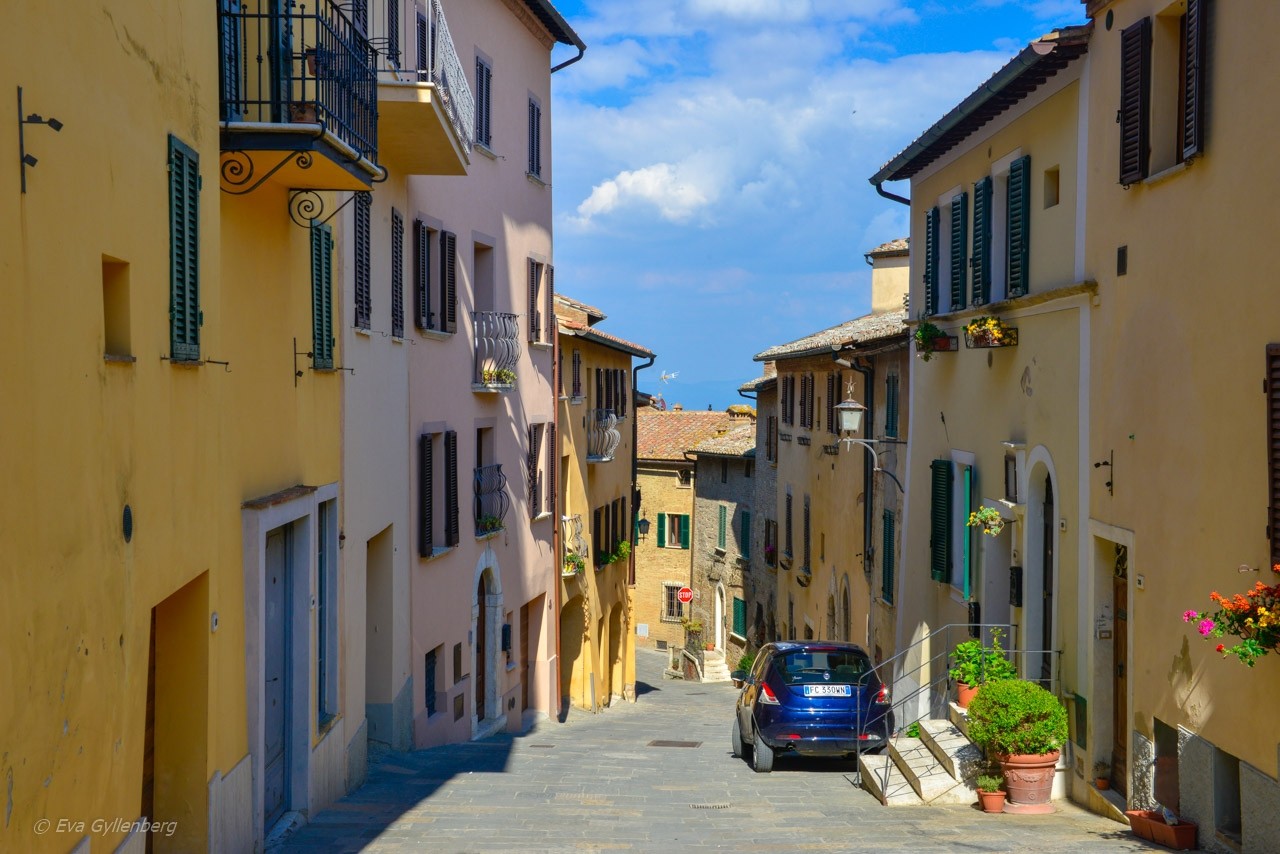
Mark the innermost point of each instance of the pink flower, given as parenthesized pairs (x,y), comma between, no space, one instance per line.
(1205,627)
(1188,616)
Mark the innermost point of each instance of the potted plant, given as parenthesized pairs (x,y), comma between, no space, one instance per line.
(498,376)
(1025,727)
(987,518)
(1254,617)
(1156,826)
(620,552)
(930,339)
(574,564)
(974,664)
(988,331)
(1101,776)
(489,524)
(991,792)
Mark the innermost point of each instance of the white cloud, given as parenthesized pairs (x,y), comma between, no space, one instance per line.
(676,196)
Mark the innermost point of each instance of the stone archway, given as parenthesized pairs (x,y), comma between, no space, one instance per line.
(615,655)
(486,624)
(572,663)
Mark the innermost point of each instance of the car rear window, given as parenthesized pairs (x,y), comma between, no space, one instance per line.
(830,666)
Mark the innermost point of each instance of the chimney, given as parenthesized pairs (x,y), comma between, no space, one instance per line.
(679,407)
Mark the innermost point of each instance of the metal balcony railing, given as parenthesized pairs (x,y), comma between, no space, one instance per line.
(602,435)
(497,347)
(491,501)
(451,80)
(284,62)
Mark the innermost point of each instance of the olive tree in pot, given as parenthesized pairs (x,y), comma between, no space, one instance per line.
(1024,726)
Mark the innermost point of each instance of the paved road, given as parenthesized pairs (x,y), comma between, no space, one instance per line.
(593,783)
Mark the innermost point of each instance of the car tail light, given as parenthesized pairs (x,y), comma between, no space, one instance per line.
(766,695)
(883,697)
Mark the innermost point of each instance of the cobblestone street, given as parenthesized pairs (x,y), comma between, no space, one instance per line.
(595,783)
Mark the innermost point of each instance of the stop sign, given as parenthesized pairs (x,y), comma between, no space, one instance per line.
(685,595)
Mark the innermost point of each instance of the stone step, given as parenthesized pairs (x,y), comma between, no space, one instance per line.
(959,717)
(961,757)
(926,775)
(882,778)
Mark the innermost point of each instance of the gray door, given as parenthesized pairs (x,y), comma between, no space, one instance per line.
(276,687)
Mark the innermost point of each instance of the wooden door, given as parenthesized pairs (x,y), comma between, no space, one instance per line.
(275,742)
(526,658)
(1120,673)
(481,651)
(1046,617)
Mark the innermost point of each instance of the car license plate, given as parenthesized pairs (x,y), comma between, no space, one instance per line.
(827,691)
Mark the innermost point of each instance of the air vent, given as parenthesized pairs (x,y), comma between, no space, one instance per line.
(662,743)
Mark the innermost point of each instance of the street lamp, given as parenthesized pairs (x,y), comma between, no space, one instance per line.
(849,418)
(643,527)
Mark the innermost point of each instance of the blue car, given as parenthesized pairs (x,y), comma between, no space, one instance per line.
(810,698)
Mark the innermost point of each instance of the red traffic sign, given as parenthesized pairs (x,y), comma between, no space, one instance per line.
(685,595)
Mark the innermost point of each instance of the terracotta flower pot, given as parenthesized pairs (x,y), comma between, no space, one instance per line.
(991,801)
(1028,778)
(965,694)
(1149,824)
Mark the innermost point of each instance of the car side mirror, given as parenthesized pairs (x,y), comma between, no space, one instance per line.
(739,675)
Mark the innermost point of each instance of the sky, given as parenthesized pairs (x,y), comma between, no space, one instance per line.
(711,160)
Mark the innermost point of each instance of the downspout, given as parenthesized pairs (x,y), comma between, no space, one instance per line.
(582,48)
(748,395)
(557,559)
(868,472)
(893,197)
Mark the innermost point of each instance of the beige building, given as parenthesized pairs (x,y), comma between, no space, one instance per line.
(595,456)
(760,584)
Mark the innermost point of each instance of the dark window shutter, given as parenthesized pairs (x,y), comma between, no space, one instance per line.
(959,244)
(744,545)
(393,32)
(531,467)
(420,45)
(940,521)
(451,488)
(662,530)
(722,531)
(804,400)
(360,15)
(553,468)
(1135,101)
(535,319)
(449,281)
(1273,449)
(397,274)
(805,531)
(361,249)
(624,395)
(484,97)
(184,252)
(789,525)
(535,139)
(886,558)
(931,223)
(739,617)
(426,496)
(891,405)
(597,541)
(577,373)
(321,297)
(1019,225)
(599,389)
(1195,78)
(421,275)
(831,402)
(549,297)
(684,531)
(982,241)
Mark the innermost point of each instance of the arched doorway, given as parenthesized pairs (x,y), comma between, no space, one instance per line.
(487,620)
(616,675)
(572,663)
(1038,614)
(719,636)
(482,672)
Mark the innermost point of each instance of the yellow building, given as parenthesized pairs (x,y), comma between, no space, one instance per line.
(997,229)
(596,455)
(1183,407)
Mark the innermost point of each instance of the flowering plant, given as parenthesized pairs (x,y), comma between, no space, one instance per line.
(989,518)
(927,337)
(1254,617)
(987,330)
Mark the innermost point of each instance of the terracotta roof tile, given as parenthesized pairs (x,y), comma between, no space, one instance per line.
(758,383)
(899,246)
(738,442)
(667,435)
(860,330)
(581,306)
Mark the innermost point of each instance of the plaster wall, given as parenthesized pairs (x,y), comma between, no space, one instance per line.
(718,572)
(761,582)
(662,492)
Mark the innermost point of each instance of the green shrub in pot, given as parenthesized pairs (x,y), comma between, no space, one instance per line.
(1015,717)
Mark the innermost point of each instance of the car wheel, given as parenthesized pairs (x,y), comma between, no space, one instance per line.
(761,756)
(738,746)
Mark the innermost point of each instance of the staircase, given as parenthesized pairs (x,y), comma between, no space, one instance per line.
(939,767)
(714,668)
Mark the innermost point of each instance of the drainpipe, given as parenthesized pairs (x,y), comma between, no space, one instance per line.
(868,472)
(748,395)
(893,197)
(582,48)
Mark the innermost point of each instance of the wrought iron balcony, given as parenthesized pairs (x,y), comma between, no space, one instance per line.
(491,501)
(447,73)
(497,350)
(575,544)
(296,78)
(602,435)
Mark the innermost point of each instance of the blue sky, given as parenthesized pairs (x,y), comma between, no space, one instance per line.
(711,161)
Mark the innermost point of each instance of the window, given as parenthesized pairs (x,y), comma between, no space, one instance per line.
(1273,449)
(787,550)
(835,382)
(423,317)
(542,278)
(891,406)
(535,138)
(458,675)
(534,469)
(442,315)
(771,439)
(421,43)
(448,297)
(484,102)
(807,387)
(576,393)
(739,617)
(981,262)
(744,539)
(397,274)
(886,557)
(673,531)
(550,462)
(940,521)
(437,496)
(327,612)
(393,32)
(724,471)
(771,542)
(321,297)
(608,529)
(748,468)
(430,679)
(185,316)
(450,489)
(1018,227)
(807,552)
(787,399)
(1052,180)
(115,307)
(672,607)
(361,248)
(722,532)
(685,476)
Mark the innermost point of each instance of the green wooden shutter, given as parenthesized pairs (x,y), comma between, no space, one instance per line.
(745,545)
(940,521)
(931,223)
(1135,101)
(959,244)
(1195,80)
(722,533)
(426,497)
(891,406)
(1019,223)
(739,617)
(184,252)
(968,532)
(361,250)
(886,557)
(322,297)
(982,241)
(662,530)
(684,531)
(449,281)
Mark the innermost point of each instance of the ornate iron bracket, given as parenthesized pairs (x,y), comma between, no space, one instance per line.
(310,354)
(25,159)
(226,366)
(237,171)
(307,206)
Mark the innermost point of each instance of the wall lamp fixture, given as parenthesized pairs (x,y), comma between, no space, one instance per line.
(849,419)
(25,159)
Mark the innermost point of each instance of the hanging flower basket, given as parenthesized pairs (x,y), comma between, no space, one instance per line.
(987,332)
(1253,617)
(988,519)
(930,339)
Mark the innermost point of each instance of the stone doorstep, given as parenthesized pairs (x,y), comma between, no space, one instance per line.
(926,774)
(961,757)
(959,717)
(896,791)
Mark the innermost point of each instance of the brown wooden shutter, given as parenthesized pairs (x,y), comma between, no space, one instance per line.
(535,320)
(363,298)
(551,303)
(1273,449)
(425,496)
(1195,78)
(451,488)
(831,402)
(532,463)
(449,281)
(577,373)
(599,388)
(1135,100)
(553,469)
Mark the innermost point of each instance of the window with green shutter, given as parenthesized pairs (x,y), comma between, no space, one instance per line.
(931,223)
(886,557)
(723,532)
(959,245)
(322,297)
(739,617)
(684,531)
(967,533)
(185,317)
(662,530)
(1019,225)
(940,521)
(982,241)
(745,541)
(891,406)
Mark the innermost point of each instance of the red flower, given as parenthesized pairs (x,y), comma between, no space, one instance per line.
(1219,648)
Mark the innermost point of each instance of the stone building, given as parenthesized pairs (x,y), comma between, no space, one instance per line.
(760,574)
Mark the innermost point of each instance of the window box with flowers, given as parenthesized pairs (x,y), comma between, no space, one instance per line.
(574,564)
(930,339)
(1253,617)
(987,332)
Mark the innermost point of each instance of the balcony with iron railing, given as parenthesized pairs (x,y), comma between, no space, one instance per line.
(574,543)
(497,337)
(427,113)
(602,435)
(297,97)
(491,501)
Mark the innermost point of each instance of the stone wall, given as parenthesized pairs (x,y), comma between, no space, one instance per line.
(715,569)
